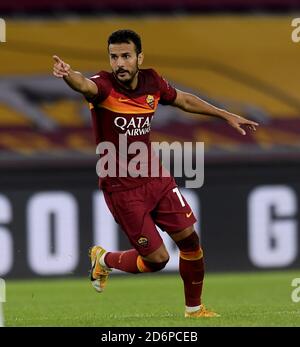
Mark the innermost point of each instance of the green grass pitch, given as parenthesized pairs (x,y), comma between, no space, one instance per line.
(243,299)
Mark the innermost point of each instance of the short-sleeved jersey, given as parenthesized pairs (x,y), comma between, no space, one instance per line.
(117,110)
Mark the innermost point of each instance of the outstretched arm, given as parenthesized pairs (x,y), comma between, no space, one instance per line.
(191,103)
(74,78)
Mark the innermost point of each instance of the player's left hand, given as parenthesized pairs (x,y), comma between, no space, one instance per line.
(237,122)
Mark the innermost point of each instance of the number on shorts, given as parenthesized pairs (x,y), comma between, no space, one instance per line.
(177,192)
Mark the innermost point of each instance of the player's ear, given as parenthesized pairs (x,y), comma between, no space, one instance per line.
(140,58)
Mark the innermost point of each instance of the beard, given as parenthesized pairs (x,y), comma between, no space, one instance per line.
(125,77)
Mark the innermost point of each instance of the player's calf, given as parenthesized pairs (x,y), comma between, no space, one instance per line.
(131,261)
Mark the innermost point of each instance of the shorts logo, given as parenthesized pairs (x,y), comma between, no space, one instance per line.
(150,100)
(143,241)
(188,215)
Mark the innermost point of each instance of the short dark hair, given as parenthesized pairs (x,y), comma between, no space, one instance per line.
(126,36)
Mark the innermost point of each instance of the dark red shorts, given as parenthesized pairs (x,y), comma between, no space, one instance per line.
(138,210)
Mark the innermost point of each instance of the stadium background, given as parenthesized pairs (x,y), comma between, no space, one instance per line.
(235,54)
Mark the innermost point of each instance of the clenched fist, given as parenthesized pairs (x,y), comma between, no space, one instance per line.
(60,68)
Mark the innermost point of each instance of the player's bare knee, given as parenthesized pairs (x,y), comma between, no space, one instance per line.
(156,266)
(157,260)
(159,257)
(162,257)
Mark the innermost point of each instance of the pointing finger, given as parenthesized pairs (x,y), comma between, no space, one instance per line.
(57,59)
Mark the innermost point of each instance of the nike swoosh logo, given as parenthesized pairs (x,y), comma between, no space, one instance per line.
(188,215)
(123,100)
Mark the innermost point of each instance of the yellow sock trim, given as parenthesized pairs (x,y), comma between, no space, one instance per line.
(194,255)
(141,265)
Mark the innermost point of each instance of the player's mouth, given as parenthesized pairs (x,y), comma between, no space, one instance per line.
(122,73)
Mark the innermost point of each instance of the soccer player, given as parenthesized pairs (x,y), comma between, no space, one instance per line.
(123,102)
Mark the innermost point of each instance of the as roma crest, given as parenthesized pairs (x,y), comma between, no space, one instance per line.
(143,241)
(150,101)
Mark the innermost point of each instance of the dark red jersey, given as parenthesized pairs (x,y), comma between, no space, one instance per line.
(117,110)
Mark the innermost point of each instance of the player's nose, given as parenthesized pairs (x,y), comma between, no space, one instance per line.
(120,62)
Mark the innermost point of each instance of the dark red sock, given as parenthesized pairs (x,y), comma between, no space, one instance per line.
(124,261)
(191,267)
